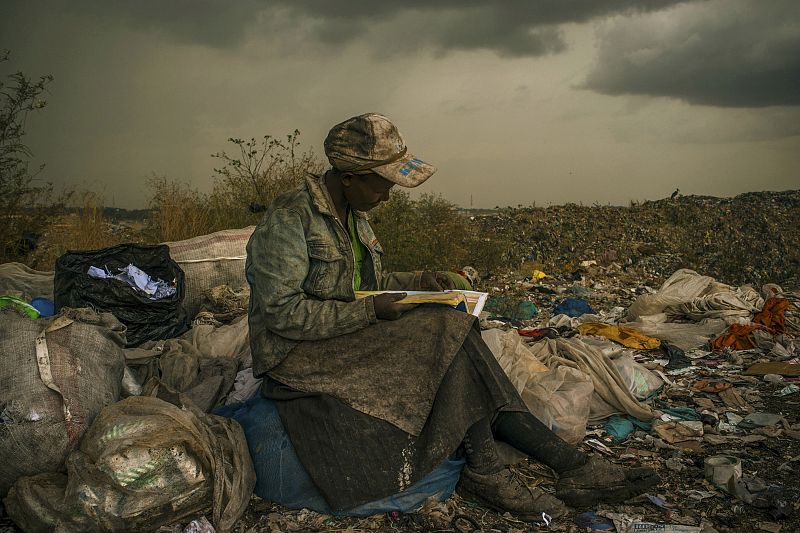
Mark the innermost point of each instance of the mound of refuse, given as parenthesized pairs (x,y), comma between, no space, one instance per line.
(751,238)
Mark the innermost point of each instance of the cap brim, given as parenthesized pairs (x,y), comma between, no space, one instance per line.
(408,171)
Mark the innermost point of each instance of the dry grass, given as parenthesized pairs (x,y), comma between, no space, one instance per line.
(178,212)
(85,228)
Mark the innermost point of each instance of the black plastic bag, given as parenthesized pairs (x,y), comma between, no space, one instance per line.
(145,319)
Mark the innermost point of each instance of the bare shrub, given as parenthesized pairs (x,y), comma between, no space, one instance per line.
(262,170)
(244,185)
(25,203)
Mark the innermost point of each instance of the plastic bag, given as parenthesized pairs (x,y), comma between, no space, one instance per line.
(514,357)
(561,398)
(179,365)
(145,319)
(641,382)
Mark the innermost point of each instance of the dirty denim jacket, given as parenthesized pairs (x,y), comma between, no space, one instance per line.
(300,267)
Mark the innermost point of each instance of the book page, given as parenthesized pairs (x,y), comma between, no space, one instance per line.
(473,300)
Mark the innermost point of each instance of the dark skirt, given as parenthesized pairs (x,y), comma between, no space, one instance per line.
(354,457)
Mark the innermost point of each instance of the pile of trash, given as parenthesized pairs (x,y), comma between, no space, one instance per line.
(751,238)
(694,377)
(107,395)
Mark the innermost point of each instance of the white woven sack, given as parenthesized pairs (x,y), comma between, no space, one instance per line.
(209,261)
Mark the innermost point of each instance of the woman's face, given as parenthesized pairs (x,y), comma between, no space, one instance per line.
(366,191)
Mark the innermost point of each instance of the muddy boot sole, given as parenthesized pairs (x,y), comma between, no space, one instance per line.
(556,512)
(637,482)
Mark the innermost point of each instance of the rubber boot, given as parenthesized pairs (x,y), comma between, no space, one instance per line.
(601,481)
(529,435)
(507,491)
(488,481)
(583,481)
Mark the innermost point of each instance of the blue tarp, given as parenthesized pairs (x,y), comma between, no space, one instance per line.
(573,307)
(281,477)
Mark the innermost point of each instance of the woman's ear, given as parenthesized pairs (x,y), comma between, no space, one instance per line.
(347,179)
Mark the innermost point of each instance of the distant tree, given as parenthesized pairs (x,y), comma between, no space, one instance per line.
(21,198)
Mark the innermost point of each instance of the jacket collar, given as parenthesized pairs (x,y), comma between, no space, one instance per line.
(322,199)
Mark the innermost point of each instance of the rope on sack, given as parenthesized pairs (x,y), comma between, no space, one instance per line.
(45,371)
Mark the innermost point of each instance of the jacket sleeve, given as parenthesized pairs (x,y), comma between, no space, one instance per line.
(402,281)
(278,265)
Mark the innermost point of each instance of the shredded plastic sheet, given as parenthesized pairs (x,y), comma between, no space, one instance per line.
(611,393)
(559,397)
(685,336)
(688,295)
(156,289)
(514,357)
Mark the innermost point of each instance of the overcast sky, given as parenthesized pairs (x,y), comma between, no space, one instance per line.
(514,101)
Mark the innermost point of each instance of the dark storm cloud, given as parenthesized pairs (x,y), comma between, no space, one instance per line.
(743,53)
(510,27)
(210,22)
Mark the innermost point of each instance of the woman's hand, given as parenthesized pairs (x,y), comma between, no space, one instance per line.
(436,281)
(387,308)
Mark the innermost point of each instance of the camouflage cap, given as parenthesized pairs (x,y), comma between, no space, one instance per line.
(371,143)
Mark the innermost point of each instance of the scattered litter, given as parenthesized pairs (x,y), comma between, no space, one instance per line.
(760,419)
(599,446)
(721,469)
(782,369)
(199,525)
(789,389)
(594,522)
(648,527)
(684,430)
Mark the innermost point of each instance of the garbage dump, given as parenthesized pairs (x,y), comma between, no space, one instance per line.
(626,353)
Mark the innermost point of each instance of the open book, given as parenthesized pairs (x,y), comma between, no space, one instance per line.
(470,301)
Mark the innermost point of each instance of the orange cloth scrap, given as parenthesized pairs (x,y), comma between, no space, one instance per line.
(773,315)
(771,318)
(705,385)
